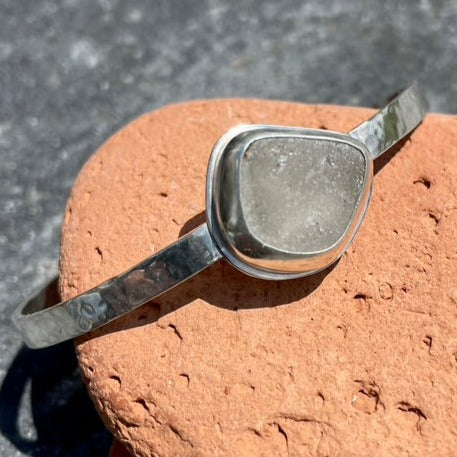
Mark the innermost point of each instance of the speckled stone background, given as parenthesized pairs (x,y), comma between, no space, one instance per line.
(73,71)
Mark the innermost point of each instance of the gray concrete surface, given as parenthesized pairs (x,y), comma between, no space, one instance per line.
(74,71)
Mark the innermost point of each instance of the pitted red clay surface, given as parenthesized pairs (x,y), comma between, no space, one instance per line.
(359,360)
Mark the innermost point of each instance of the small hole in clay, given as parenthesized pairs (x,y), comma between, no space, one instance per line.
(142,402)
(428,341)
(185,377)
(435,217)
(117,379)
(99,252)
(360,297)
(424,181)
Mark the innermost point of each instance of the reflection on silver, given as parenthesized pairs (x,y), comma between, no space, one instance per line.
(253,240)
(393,122)
(164,270)
(282,202)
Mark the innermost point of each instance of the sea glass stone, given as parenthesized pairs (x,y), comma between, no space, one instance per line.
(300,194)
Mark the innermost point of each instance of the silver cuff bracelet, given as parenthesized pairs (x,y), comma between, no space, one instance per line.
(281,203)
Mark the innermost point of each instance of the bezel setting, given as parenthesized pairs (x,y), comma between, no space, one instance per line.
(223,195)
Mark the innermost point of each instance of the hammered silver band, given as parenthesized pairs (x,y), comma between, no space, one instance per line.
(44,326)
(162,271)
(393,122)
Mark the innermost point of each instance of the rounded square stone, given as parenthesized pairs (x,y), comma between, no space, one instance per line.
(300,194)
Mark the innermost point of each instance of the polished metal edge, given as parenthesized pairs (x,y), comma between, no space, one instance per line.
(299,265)
(118,296)
(393,122)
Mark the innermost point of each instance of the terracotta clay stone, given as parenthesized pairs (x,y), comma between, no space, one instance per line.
(358,360)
